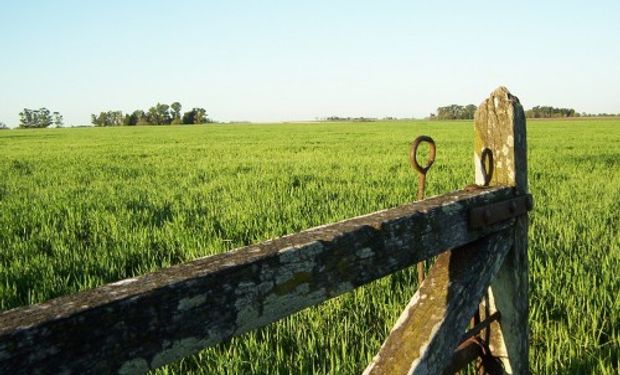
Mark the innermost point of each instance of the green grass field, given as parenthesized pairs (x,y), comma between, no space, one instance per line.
(83,207)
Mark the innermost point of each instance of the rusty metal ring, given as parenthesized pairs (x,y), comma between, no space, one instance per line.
(414,151)
(486,158)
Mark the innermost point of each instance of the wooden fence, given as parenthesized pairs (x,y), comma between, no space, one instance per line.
(479,235)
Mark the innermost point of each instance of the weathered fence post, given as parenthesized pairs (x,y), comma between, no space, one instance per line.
(425,339)
(500,126)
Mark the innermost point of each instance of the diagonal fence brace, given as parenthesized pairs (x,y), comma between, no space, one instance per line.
(430,328)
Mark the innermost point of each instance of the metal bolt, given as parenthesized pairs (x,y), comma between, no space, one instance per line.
(512,207)
(529,202)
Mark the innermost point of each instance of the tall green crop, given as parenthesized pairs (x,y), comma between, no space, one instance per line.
(83,207)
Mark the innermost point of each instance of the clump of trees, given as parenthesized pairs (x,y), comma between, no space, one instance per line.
(3,126)
(455,112)
(159,114)
(550,112)
(39,118)
(109,118)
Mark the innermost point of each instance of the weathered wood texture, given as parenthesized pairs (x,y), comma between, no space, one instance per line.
(138,324)
(500,126)
(428,331)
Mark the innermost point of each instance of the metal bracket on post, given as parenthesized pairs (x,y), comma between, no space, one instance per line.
(494,213)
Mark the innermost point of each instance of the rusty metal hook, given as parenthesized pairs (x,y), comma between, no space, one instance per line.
(486,165)
(414,161)
(414,151)
(422,179)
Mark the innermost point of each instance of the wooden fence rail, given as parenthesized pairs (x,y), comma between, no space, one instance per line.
(138,324)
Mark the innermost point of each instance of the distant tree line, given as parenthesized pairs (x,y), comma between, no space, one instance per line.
(460,112)
(39,118)
(604,114)
(550,112)
(553,112)
(3,126)
(159,114)
(357,119)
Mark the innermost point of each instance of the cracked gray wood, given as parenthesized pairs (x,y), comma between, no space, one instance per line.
(428,331)
(500,126)
(138,324)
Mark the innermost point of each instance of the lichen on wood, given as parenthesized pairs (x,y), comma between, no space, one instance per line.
(500,125)
(429,329)
(142,323)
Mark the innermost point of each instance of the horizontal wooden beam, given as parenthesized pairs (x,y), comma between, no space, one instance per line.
(138,324)
(425,337)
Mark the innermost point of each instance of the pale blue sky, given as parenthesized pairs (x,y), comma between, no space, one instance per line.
(293,60)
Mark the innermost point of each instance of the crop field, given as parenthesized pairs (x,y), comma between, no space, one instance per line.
(84,207)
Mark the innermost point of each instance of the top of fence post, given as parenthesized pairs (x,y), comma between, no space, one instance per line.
(499,125)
